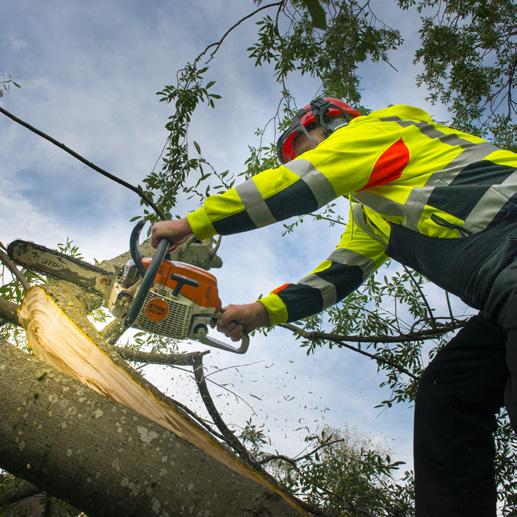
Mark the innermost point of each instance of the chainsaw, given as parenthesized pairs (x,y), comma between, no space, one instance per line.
(156,295)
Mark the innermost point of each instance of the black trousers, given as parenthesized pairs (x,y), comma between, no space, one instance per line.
(459,393)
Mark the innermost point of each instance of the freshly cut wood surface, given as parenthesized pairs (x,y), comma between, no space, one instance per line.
(62,337)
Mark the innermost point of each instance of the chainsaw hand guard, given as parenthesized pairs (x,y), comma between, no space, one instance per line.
(148,276)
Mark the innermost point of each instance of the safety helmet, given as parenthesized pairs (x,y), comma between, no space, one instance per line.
(327,112)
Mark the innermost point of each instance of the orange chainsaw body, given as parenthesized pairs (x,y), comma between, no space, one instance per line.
(205,294)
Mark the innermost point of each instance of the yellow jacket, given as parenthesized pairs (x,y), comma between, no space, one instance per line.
(399,167)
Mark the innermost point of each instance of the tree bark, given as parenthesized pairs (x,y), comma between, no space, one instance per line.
(107,459)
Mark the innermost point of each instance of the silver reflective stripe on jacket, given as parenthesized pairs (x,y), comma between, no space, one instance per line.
(351,258)
(317,182)
(327,290)
(254,204)
(492,201)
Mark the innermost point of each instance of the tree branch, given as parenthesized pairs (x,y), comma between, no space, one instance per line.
(13,269)
(187,359)
(218,44)
(22,490)
(315,336)
(8,312)
(230,438)
(422,335)
(77,156)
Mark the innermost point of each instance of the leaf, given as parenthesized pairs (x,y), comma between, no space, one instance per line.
(317,13)
(198,148)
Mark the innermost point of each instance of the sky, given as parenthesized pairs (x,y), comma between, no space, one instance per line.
(89,73)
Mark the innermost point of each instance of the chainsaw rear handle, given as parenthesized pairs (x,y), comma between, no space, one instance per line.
(148,275)
(218,343)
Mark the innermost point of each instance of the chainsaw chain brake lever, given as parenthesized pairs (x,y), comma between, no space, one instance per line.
(148,275)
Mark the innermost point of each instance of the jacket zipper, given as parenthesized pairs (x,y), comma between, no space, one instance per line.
(440,221)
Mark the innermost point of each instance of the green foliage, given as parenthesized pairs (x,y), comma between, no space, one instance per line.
(468,53)
(190,90)
(345,475)
(253,437)
(505,461)
(351,37)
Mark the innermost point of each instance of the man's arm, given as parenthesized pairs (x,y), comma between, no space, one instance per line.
(339,165)
(354,259)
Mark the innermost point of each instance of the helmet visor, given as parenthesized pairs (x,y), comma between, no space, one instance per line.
(298,139)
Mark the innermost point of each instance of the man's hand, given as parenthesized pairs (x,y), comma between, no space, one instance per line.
(176,231)
(237,319)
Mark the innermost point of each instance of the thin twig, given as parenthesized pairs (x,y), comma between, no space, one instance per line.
(232,367)
(423,296)
(321,446)
(218,44)
(449,306)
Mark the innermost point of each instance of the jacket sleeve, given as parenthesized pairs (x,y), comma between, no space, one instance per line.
(358,254)
(340,165)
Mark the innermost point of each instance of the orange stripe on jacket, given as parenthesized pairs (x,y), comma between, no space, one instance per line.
(280,288)
(390,165)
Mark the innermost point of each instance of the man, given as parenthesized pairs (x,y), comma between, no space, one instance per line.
(436,199)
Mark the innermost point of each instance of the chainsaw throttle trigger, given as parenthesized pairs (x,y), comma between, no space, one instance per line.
(182,281)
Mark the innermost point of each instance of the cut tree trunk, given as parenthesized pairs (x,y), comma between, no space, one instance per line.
(129,452)
(108,460)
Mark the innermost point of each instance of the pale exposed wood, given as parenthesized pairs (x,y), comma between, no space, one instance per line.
(108,460)
(61,336)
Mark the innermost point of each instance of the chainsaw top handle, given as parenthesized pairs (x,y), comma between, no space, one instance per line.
(148,275)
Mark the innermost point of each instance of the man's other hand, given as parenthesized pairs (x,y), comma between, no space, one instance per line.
(236,319)
(176,232)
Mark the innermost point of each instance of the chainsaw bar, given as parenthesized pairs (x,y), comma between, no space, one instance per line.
(61,266)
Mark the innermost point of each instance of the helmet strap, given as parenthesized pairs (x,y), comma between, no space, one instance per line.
(319,107)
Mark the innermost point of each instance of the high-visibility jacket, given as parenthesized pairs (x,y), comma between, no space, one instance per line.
(399,168)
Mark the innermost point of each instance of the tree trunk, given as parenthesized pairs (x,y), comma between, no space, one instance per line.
(134,453)
(107,459)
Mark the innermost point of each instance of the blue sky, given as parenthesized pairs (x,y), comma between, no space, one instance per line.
(89,73)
